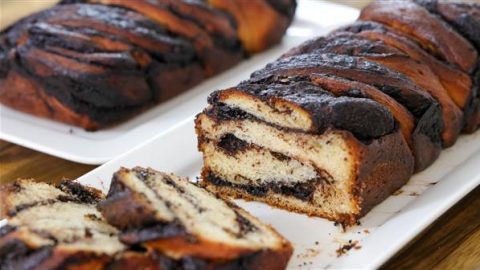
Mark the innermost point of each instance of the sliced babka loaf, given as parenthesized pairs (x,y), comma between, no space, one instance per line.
(52,227)
(297,145)
(336,124)
(188,225)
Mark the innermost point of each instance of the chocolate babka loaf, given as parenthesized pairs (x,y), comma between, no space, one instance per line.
(92,63)
(337,124)
(188,225)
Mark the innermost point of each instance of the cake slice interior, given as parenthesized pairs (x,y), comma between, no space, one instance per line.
(175,217)
(272,150)
(54,227)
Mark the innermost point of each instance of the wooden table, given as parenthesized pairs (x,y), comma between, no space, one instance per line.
(452,242)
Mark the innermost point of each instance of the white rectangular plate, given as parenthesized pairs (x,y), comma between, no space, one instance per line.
(382,232)
(313,18)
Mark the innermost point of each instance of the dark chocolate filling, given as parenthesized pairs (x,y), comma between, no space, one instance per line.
(302,190)
(156,231)
(21,207)
(15,255)
(80,193)
(231,144)
(75,193)
(6,229)
(144,174)
(244,224)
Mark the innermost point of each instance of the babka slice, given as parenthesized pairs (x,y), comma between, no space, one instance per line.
(295,145)
(189,225)
(52,227)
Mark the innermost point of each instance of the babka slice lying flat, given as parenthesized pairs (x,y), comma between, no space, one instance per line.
(335,125)
(189,226)
(54,228)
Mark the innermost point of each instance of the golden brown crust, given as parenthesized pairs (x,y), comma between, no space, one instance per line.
(384,166)
(5,204)
(431,32)
(259,25)
(423,76)
(180,246)
(376,51)
(121,209)
(457,83)
(422,148)
(25,95)
(135,260)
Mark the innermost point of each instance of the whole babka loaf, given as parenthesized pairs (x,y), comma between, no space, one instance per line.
(92,63)
(337,124)
(165,223)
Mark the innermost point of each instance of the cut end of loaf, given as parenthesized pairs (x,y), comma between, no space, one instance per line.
(54,227)
(179,219)
(324,175)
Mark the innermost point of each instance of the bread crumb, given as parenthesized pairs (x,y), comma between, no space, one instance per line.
(343,249)
(308,253)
